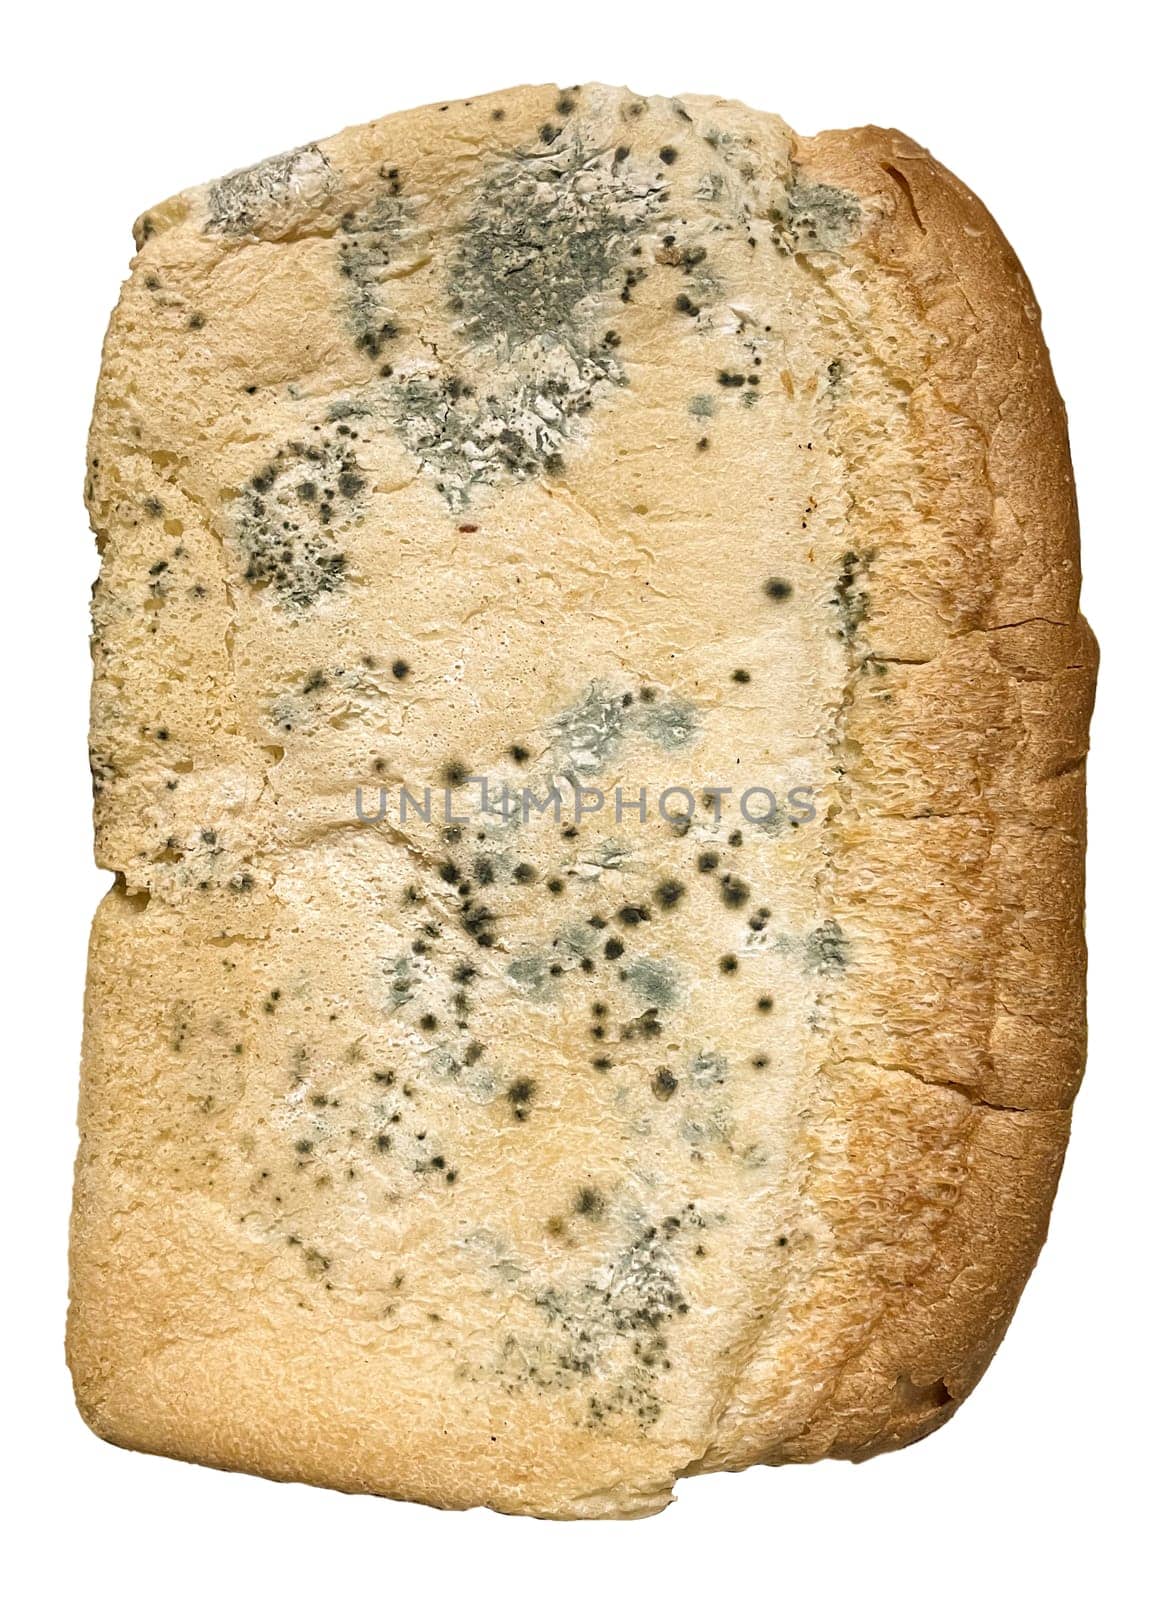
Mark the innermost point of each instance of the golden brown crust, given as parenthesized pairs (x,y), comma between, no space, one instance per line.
(962,787)
(907,1143)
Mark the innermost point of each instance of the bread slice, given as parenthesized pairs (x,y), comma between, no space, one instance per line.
(641,451)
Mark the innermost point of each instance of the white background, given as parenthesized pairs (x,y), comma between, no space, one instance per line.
(1042,1481)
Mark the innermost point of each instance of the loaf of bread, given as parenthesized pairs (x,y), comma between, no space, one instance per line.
(588,728)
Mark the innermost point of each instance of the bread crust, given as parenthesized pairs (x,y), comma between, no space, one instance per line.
(975,777)
(941,1071)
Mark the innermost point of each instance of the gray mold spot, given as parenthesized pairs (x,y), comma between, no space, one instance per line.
(704,1133)
(472,1079)
(587,733)
(286,516)
(242,201)
(821,217)
(546,234)
(370,243)
(656,982)
(827,949)
(532,262)
(610,1330)
(709,1070)
(578,939)
(849,597)
(520,427)
(532,973)
(671,724)
(403,983)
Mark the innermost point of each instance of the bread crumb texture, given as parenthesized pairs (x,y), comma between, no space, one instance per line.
(537,1160)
